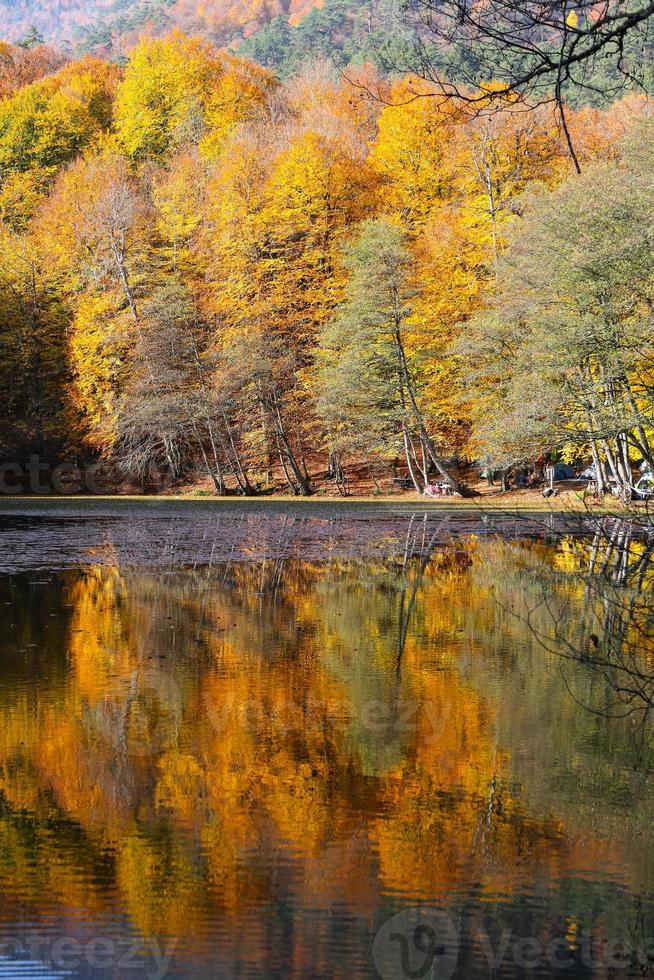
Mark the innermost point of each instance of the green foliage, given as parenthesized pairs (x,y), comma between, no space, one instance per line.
(357,362)
(340,31)
(123,18)
(272,46)
(32,38)
(567,350)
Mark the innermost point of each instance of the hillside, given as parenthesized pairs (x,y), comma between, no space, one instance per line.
(89,24)
(338,30)
(278,34)
(282,35)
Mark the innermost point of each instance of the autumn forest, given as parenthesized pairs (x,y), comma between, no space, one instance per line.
(326,488)
(212,278)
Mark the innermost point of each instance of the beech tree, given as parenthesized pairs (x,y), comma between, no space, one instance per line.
(569,339)
(167,415)
(179,91)
(207,272)
(369,377)
(19,66)
(46,125)
(33,368)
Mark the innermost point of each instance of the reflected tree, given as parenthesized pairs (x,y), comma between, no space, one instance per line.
(599,615)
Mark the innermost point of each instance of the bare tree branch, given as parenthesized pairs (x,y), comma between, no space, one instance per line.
(523,53)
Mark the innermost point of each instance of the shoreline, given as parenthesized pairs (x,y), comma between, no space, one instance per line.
(117,505)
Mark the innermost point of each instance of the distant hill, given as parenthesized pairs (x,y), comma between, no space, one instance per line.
(279,34)
(340,30)
(115,24)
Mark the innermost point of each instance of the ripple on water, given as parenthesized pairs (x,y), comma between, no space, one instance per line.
(250,742)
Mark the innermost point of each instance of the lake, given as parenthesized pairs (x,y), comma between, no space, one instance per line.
(257,743)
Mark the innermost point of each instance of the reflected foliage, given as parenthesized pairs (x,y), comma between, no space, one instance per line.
(279,753)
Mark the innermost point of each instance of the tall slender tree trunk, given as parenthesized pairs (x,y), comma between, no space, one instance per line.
(303,483)
(287,476)
(408,452)
(455,484)
(239,470)
(215,474)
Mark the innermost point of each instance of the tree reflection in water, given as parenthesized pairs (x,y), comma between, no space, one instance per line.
(266,758)
(596,611)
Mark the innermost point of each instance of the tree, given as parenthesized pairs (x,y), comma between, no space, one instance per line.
(455,184)
(539,50)
(33,367)
(46,125)
(190,221)
(179,91)
(569,334)
(270,45)
(276,223)
(411,154)
(367,375)
(339,31)
(162,99)
(95,238)
(179,201)
(21,66)
(32,39)
(167,414)
(240,95)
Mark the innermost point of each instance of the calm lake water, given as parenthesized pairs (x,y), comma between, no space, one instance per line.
(247,744)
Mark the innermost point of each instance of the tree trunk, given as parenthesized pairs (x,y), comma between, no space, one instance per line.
(215,475)
(455,484)
(408,452)
(302,480)
(239,470)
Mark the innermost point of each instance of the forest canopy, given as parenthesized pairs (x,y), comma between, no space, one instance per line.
(211,274)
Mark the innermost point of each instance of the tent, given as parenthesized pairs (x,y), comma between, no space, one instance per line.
(564,472)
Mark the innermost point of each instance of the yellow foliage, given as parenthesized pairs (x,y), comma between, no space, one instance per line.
(98,338)
(178,90)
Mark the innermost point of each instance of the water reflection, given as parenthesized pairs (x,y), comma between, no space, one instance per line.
(613,638)
(254,764)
